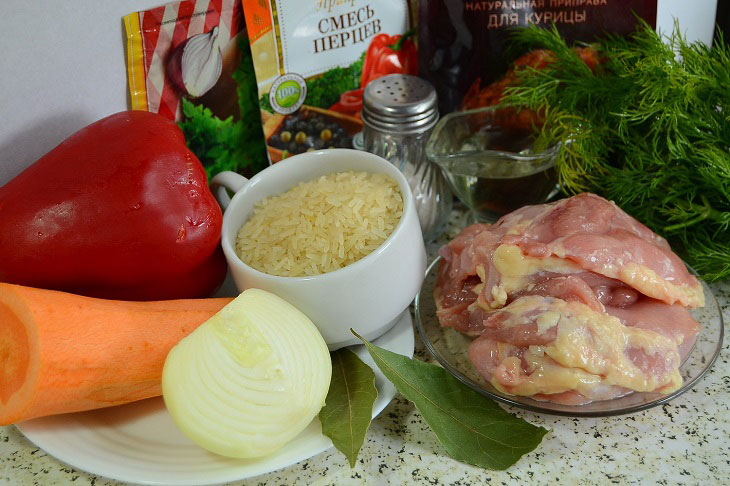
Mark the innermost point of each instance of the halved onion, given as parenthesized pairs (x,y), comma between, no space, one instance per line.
(249,379)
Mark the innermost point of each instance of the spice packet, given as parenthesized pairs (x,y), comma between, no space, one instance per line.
(464,44)
(190,61)
(313,59)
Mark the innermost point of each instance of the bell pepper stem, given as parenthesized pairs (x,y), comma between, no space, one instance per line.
(399,43)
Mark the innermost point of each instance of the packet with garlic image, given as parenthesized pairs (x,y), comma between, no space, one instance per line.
(190,61)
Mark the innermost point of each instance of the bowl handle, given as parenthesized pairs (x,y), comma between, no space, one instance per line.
(226,181)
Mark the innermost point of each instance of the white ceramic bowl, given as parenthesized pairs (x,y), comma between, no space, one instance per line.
(368,295)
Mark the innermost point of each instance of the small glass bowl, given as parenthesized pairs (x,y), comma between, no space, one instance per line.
(491,169)
(449,346)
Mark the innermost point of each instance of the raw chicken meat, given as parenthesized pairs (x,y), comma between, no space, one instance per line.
(547,346)
(572,302)
(598,236)
(671,321)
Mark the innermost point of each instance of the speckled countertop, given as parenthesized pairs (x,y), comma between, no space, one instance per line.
(685,442)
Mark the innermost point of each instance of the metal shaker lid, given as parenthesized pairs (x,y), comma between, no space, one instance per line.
(400,103)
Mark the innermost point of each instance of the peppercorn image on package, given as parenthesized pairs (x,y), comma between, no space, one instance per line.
(190,61)
(312,60)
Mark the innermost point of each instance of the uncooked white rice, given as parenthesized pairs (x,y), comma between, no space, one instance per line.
(321,225)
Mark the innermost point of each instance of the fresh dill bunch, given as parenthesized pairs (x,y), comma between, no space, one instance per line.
(647,127)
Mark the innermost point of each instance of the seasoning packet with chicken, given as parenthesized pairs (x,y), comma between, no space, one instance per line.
(465,51)
(312,61)
(190,61)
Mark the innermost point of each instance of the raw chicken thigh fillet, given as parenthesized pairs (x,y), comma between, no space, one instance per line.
(570,302)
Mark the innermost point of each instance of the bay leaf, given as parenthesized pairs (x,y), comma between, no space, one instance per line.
(471,427)
(348,408)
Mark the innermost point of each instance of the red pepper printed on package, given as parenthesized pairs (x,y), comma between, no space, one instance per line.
(120,210)
(389,55)
(386,54)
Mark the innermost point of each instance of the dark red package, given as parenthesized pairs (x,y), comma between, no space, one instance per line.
(463,43)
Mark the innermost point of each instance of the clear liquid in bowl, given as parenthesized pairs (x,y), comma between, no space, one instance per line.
(492,169)
(494,172)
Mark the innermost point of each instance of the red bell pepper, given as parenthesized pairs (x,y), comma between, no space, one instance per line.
(119,210)
(387,54)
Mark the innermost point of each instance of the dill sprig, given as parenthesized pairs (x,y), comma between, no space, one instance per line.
(648,128)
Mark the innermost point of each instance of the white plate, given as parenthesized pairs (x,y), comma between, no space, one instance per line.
(139,443)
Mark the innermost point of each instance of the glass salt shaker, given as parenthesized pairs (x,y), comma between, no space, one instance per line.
(399,112)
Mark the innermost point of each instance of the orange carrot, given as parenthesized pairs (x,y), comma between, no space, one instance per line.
(63,353)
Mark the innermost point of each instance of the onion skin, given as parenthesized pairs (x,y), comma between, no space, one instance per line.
(174,67)
(249,379)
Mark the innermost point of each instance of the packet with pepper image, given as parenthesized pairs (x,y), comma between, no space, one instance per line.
(190,61)
(313,60)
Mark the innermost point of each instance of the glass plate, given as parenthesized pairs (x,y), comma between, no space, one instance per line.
(139,443)
(449,348)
